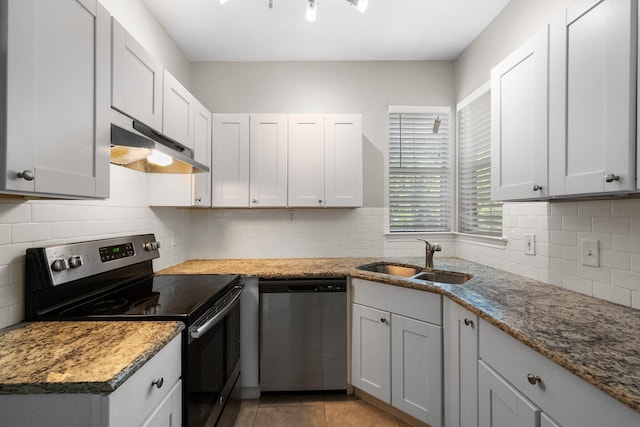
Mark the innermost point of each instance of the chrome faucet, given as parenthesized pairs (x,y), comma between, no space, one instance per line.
(429,250)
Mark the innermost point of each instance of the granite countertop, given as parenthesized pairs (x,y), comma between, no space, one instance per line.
(596,340)
(77,357)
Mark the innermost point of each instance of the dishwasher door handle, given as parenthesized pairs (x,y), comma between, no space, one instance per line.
(302,288)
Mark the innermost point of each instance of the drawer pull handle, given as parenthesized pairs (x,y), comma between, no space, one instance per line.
(158,383)
(468,322)
(533,379)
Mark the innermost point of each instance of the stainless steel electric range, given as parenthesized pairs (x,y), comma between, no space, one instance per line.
(112,279)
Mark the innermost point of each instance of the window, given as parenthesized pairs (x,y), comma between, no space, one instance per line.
(477,214)
(419,169)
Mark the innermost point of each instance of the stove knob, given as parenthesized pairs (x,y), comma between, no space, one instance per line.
(59,265)
(75,261)
(151,246)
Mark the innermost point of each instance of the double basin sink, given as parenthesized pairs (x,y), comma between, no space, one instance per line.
(416,273)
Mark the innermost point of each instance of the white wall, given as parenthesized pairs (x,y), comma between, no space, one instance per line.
(519,20)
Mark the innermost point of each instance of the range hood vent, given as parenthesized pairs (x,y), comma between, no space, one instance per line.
(132,142)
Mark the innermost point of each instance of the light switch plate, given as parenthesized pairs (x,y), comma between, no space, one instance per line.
(590,252)
(530,244)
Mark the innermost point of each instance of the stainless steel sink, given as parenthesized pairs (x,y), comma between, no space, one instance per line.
(392,269)
(417,273)
(442,277)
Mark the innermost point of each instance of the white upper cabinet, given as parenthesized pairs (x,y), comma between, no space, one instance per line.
(306,160)
(325,160)
(202,124)
(178,111)
(56,77)
(230,164)
(137,79)
(592,98)
(519,122)
(268,160)
(343,160)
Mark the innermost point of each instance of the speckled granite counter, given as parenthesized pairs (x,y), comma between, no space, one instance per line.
(597,340)
(77,357)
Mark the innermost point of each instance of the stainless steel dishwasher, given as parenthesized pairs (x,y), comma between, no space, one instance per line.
(303,334)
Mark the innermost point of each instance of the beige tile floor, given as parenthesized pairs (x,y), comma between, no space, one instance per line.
(313,410)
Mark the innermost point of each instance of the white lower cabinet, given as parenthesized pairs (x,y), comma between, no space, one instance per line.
(460,331)
(501,404)
(152,397)
(397,348)
(520,387)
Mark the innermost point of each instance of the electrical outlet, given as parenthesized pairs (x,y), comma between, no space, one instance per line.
(529,244)
(590,252)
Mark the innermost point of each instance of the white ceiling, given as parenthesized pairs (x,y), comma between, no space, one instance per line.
(247,30)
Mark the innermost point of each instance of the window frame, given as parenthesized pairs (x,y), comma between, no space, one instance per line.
(486,238)
(432,109)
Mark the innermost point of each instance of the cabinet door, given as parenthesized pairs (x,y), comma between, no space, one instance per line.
(545,421)
(56,57)
(416,370)
(461,365)
(306,160)
(519,123)
(343,160)
(500,404)
(178,111)
(371,352)
(202,153)
(268,160)
(169,412)
(593,92)
(136,88)
(230,164)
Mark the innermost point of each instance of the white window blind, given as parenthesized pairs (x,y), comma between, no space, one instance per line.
(419,170)
(477,214)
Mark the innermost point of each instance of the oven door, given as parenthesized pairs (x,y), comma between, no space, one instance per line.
(213,369)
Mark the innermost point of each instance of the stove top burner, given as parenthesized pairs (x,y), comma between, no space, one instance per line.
(147,305)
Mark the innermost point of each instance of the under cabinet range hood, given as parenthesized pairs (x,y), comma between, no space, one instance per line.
(137,146)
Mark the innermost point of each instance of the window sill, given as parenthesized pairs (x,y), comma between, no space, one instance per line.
(488,241)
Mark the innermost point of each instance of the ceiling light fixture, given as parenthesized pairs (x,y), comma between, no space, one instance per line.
(360,5)
(223,1)
(312,9)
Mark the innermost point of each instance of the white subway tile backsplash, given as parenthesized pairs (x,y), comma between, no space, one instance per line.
(613,225)
(566,238)
(626,279)
(594,208)
(626,243)
(596,274)
(14,212)
(627,207)
(570,223)
(578,285)
(30,232)
(612,293)
(560,209)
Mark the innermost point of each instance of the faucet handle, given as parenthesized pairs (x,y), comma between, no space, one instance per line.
(436,247)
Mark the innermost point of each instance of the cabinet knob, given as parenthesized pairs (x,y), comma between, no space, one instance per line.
(536,187)
(27,175)
(383,320)
(468,322)
(158,383)
(254,201)
(533,379)
(611,177)
(198,199)
(320,201)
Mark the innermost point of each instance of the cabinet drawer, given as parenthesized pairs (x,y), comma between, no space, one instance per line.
(420,305)
(132,402)
(567,398)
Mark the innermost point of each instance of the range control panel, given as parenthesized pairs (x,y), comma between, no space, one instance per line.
(109,253)
(84,259)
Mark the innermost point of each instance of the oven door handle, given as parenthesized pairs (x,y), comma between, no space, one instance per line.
(202,329)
